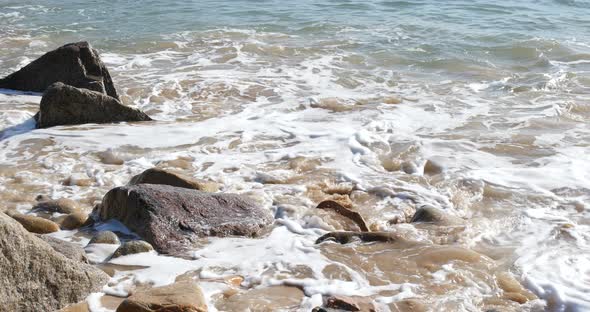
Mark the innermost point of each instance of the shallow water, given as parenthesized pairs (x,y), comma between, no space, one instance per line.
(293,104)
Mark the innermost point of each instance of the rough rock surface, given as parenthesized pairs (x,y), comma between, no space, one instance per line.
(70,250)
(34,277)
(66,105)
(76,64)
(105,237)
(132,247)
(35,224)
(185,296)
(160,176)
(170,217)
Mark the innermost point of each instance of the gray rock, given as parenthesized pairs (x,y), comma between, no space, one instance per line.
(34,277)
(171,217)
(105,237)
(132,247)
(66,105)
(70,250)
(76,64)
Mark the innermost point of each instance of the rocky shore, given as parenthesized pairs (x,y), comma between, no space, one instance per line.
(169,213)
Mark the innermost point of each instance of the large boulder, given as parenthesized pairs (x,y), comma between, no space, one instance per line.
(160,176)
(184,296)
(170,217)
(34,277)
(70,250)
(76,64)
(66,105)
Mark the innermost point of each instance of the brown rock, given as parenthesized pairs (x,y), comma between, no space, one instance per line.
(35,224)
(160,176)
(185,296)
(76,64)
(74,220)
(66,105)
(34,277)
(350,214)
(62,205)
(408,305)
(170,217)
(132,247)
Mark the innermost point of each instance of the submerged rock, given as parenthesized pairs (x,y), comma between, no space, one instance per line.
(76,64)
(185,296)
(168,217)
(347,237)
(66,105)
(62,205)
(35,224)
(160,176)
(432,168)
(132,247)
(429,214)
(105,237)
(37,278)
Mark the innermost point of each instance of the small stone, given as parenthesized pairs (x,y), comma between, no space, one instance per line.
(74,220)
(133,247)
(42,198)
(62,205)
(432,168)
(105,237)
(185,296)
(35,224)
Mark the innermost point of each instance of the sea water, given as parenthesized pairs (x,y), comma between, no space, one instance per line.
(287,102)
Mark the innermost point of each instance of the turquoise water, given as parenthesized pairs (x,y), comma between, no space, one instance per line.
(497,92)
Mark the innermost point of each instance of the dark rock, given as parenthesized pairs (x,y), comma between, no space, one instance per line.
(429,214)
(345,303)
(35,224)
(76,64)
(185,296)
(347,237)
(160,176)
(169,217)
(66,105)
(62,205)
(70,250)
(105,237)
(132,247)
(345,212)
(34,277)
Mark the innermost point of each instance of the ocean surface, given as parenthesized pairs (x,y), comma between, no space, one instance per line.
(295,102)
